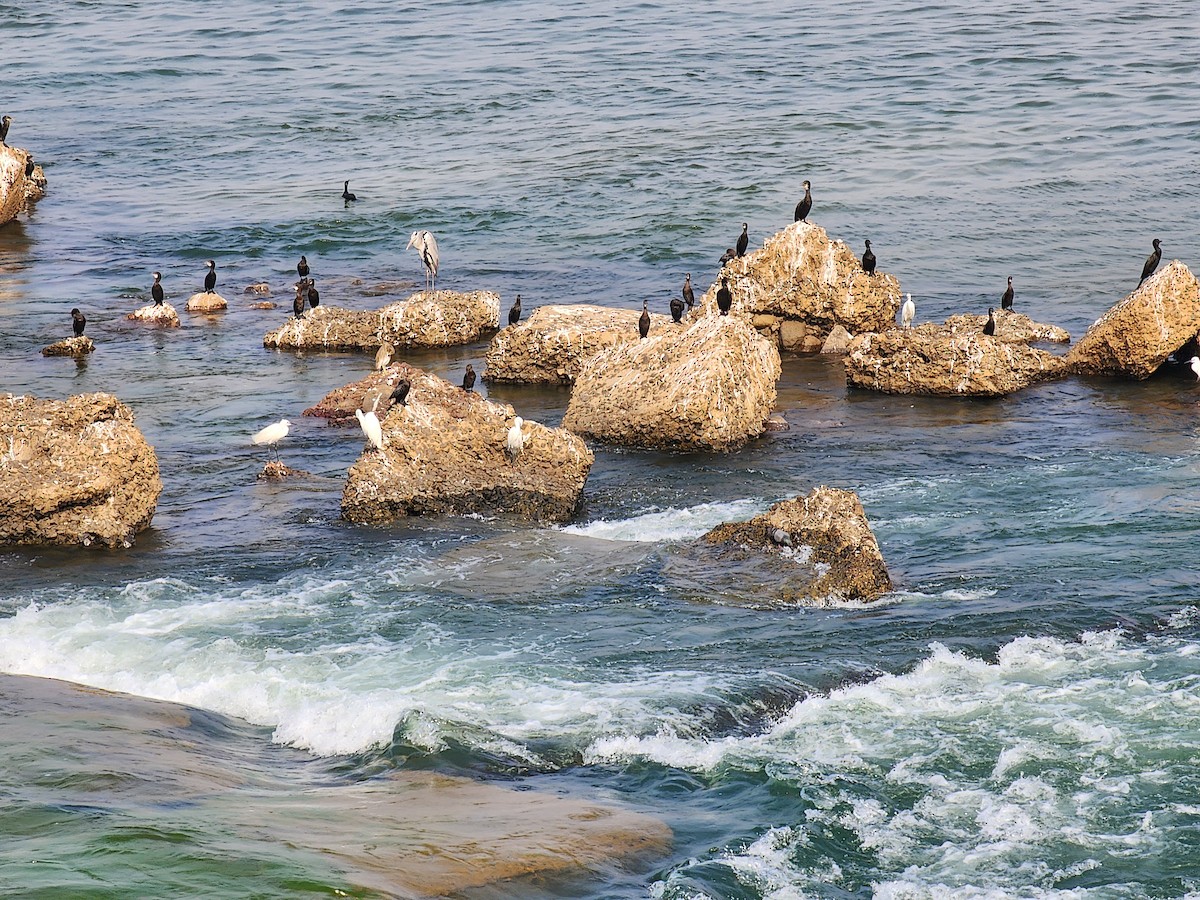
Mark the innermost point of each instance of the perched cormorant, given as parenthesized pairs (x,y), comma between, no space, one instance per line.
(156,290)
(644,320)
(314,299)
(743,240)
(78,322)
(907,311)
(298,302)
(724,297)
(514,314)
(4,123)
(400,394)
(677,308)
(729,254)
(302,267)
(346,195)
(1007,299)
(1151,261)
(868,260)
(688,297)
(804,207)
(29,166)
(210,280)
(990,326)
(469,378)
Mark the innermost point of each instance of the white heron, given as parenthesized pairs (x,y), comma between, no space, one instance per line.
(907,311)
(427,247)
(1194,364)
(384,355)
(371,427)
(272,434)
(515,442)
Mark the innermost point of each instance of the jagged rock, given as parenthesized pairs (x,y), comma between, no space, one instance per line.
(1012,326)
(445,453)
(35,187)
(80,345)
(819,546)
(275,469)
(206,301)
(13,183)
(156,315)
(551,345)
(837,342)
(932,359)
(426,319)
(259,287)
(801,276)
(74,471)
(1137,335)
(709,386)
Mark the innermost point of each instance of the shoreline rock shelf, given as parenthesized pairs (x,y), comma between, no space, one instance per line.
(75,471)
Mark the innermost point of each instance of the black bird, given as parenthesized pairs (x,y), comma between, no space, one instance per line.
(644,320)
(743,240)
(29,165)
(156,290)
(469,378)
(688,297)
(302,267)
(4,123)
(400,394)
(1151,261)
(514,314)
(210,280)
(676,310)
(990,326)
(1007,299)
(804,207)
(730,253)
(78,322)
(346,195)
(314,299)
(724,297)
(298,302)
(868,260)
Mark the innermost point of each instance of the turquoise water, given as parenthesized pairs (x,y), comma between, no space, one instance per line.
(1018,719)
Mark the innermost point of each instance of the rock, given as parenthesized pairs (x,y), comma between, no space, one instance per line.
(552,344)
(776,423)
(373,392)
(837,342)
(206,301)
(820,545)
(275,469)
(932,359)
(801,276)
(15,189)
(75,471)
(1012,326)
(709,386)
(72,346)
(260,288)
(445,453)
(1137,335)
(792,334)
(35,187)
(327,328)
(156,315)
(264,304)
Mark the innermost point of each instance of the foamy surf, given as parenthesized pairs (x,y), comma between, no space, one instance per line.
(670,524)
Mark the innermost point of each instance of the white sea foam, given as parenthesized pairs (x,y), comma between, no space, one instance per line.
(670,524)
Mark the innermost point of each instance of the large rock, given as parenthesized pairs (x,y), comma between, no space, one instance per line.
(445,453)
(206,301)
(78,345)
(1137,335)
(1012,326)
(802,276)
(933,359)
(426,319)
(75,471)
(551,345)
(710,386)
(15,188)
(820,545)
(370,393)
(156,315)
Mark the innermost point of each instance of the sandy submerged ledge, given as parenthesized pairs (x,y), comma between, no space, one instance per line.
(409,834)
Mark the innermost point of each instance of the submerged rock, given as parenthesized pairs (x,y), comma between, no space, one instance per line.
(206,301)
(709,386)
(80,345)
(156,315)
(1137,335)
(1011,326)
(551,345)
(74,471)
(445,452)
(820,546)
(276,469)
(932,359)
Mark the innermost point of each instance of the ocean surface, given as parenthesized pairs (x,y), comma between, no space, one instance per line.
(1020,718)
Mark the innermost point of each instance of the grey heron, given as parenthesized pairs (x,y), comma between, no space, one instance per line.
(427,248)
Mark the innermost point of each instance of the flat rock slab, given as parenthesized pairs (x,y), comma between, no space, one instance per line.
(72,346)
(932,359)
(1011,326)
(551,345)
(156,315)
(206,301)
(445,453)
(709,386)
(74,472)
(1137,335)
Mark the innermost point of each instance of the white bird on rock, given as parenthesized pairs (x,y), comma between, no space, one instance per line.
(907,311)
(272,434)
(371,427)
(515,442)
(427,247)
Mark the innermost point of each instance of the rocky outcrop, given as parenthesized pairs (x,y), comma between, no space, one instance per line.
(1137,335)
(80,345)
(16,188)
(838,341)
(932,359)
(206,301)
(821,547)
(709,386)
(426,319)
(156,315)
(551,345)
(802,284)
(370,393)
(445,453)
(1012,326)
(75,471)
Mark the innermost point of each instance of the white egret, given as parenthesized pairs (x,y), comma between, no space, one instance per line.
(1194,364)
(907,311)
(272,434)
(371,427)
(427,247)
(515,442)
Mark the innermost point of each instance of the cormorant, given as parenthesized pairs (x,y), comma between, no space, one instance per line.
(4,124)
(1151,261)
(868,260)
(804,207)
(314,299)
(298,303)
(743,240)
(730,253)
(156,290)
(302,267)
(688,297)
(724,297)
(677,310)
(990,326)
(469,378)
(1007,299)
(514,314)
(210,280)
(644,320)
(78,322)
(346,195)
(400,394)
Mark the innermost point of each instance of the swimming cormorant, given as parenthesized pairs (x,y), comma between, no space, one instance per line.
(644,320)
(346,195)
(514,314)
(688,296)
(302,267)
(990,326)
(156,290)
(868,260)
(805,205)
(724,297)
(469,378)
(1007,299)
(743,240)
(210,280)
(78,322)
(677,308)
(1151,261)
(400,394)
